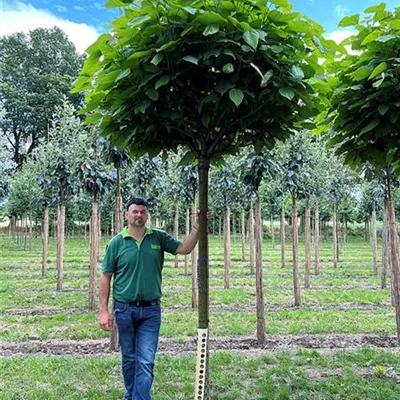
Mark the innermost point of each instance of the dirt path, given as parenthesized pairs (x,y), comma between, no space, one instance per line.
(219,308)
(187,345)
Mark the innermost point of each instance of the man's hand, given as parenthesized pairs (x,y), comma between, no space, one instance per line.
(209,216)
(105,321)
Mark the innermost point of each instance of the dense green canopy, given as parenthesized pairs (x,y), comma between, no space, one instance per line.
(365,106)
(214,76)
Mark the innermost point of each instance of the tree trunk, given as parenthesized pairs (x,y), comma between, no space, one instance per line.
(345,231)
(271,228)
(374,243)
(30,231)
(45,239)
(259,276)
(202,385)
(394,250)
(251,238)
(295,250)
(219,226)
(176,230)
(316,239)
(60,243)
(283,237)
(243,231)
(385,248)
(233,227)
(187,232)
(307,238)
(25,231)
(337,236)
(119,215)
(13,225)
(94,250)
(195,294)
(99,233)
(227,248)
(334,236)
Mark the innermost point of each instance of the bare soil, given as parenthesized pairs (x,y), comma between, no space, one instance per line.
(187,345)
(215,308)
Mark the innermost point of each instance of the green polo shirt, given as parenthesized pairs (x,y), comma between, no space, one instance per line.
(137,266)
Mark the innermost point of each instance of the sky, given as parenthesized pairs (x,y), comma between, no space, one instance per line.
(84,20)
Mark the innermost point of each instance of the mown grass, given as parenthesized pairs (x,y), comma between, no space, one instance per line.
(344,375)
(307,375)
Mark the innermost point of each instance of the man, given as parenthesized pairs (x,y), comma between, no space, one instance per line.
(135,258)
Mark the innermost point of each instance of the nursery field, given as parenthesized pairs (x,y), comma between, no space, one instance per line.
(340,344)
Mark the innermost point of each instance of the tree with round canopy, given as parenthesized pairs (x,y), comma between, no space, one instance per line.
(365,105)
(212,76)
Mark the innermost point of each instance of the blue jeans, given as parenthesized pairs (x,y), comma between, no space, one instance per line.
(138,330)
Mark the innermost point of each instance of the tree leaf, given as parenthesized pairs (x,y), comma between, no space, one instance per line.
(191,59)
(157,59)
(228,68)
(142,107)
(152,94)
(229,53)
(211,30)
(386,38)
(251,37)
(123,74)
(373,124)
(286,92)
(280,3)
(266,78)
(378,69)
(206,120)
(276,49)
(383,109)
(371,37)
(257,69)
(362,73)
(167,45)
(237,96)
(117,3)
(139,20)
(140,54)
(190,10)
(223,86)
(297,72)
(161,82)
(349,21)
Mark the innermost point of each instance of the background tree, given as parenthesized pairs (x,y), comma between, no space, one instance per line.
(22,201)
(36,73)
(65,149)
(189,178)
(258,167)
(216,77)
(225,188)
(6,168)
(295,174)
(365,107)
(96,177)
(119,159)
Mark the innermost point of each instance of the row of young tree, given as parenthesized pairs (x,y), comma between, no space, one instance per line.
(74,166)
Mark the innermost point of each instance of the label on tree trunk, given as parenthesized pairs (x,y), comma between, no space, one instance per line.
(201,389)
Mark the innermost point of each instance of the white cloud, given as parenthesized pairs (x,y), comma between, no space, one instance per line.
(79,8)
(341,11)
(339,35)
(20,17)
(60,8)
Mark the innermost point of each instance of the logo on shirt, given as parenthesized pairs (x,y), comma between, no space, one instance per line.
(155,246)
